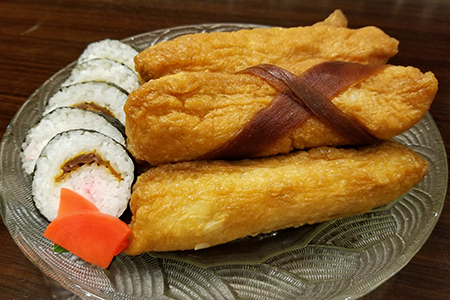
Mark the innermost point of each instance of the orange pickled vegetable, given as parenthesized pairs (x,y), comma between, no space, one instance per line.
(88,233)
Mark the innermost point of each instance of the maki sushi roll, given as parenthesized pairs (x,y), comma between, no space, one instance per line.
(63,119)
(103,97)
(111,49)
(106,70)
(87,162)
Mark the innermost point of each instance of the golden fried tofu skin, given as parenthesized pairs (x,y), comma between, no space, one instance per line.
(336,18)
(199,204)
(234,51)
(184,116)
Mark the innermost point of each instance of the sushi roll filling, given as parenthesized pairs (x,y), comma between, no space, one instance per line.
(94,107)
(85,159)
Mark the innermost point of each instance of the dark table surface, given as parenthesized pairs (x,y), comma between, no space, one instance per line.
(38,38)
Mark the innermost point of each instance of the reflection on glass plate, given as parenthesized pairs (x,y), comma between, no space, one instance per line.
(345,258)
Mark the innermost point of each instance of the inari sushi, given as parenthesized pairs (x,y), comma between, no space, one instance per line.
(88,163)
(237,50)
(199,204)
(188,115)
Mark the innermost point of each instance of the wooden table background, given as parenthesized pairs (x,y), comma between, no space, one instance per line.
(38,38)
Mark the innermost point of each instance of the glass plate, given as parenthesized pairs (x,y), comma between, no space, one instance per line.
(340,259)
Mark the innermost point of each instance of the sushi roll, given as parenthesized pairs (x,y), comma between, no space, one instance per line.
(103,97)
(102,69)
(87,162)
(63,119)
(111,49)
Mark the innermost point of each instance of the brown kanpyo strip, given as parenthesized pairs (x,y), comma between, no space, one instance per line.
(300,97)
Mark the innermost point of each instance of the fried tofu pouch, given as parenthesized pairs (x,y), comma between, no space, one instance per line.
(199,204)
(234,51)
(186,115)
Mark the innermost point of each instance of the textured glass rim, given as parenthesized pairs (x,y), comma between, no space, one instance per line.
(149,38)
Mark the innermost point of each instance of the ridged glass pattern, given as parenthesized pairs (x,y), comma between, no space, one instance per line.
(340,259)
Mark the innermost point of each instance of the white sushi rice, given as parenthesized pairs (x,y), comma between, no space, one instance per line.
(95,182)
(59,120)
(111,49)
(103,94)
(106,70)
